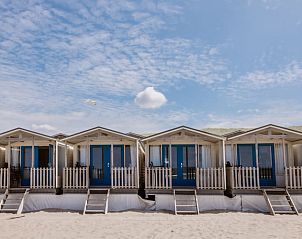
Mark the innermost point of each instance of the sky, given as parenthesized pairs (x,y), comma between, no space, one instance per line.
(146,66)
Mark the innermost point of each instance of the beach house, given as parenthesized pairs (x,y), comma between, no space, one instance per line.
(266,161)
(27,163)
(182,165)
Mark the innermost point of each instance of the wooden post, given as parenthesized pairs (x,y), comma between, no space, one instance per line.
(257,162)
(66,163)
(284,161)
(33,153)
(196,166)
(56,164)
(8,163)
(223,157)
(137,164)
(170,168)
(111,163)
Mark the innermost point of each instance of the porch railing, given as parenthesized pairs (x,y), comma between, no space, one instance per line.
(3,177)
(294,177)
(42,178)
(158,178)
(74,178)
(124,177)
(210,178)
(246,177)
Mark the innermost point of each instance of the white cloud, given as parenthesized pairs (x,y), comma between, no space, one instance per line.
(149,98)
(46,127)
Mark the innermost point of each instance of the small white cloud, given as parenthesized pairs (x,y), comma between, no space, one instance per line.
(213,51)
(90,102)
(43,127)
(149,98)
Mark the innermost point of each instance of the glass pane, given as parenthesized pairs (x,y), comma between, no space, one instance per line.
(118,157)
(174,162)
(98,163)
(82,155)
(27,162)
(246,155)
(154,155)
(188,167)
(166,155)
(265,161)
(128,156)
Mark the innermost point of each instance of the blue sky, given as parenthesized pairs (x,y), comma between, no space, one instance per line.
(145,66)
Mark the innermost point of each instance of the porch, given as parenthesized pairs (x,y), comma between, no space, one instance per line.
(29,160)
(267,157)
(184,158)
(100,158)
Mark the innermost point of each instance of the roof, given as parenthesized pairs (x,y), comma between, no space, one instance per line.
(204,133)
(281,128)
(101,129)
(12,131)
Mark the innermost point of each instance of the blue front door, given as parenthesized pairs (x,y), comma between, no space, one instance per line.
(26,163)
(266,163)
(183,165)
(246,154)
(100,165)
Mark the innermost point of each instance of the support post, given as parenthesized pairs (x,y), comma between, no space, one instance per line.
(284,161)
(257,161)
(56,164)
(33,152)
(223,157)
(65,160)
(170,168)
(137,163)
(8,163)
(111,164)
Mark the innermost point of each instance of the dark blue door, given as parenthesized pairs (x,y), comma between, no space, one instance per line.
(266,163)
(26,159)
(183,165)
(246,154)
(100,165)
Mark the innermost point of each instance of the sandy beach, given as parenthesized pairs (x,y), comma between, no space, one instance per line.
(149,225)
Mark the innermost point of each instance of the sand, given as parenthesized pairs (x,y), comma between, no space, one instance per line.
(149,225)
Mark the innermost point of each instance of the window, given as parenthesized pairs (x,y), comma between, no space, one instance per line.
(165,154)
(82,151)
(205,157)
(118,155)
(128,156)
(154,155)
(246,155)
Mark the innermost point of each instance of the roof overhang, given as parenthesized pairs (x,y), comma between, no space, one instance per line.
(77,136)
(267,127)
(174,130)
(15,135)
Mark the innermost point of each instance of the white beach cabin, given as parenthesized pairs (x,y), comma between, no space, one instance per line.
(181,164)
(266,161)
(100,161)
(28,163)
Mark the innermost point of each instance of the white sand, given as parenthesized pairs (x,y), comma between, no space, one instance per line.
(149,225)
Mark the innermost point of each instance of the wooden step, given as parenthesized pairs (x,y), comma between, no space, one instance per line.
(97,201)
(185,199)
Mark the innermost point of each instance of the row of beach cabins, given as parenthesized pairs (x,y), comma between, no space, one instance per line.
(183,170)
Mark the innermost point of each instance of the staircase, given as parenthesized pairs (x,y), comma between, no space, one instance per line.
(13,200)
(185,201)
(279,201)
(97,201)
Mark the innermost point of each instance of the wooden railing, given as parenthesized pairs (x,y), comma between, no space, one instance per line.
(210,178)
(158,178)
(3,177)
(294,177)
(124,177)
(246,177)
(75,177)
(42,178)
